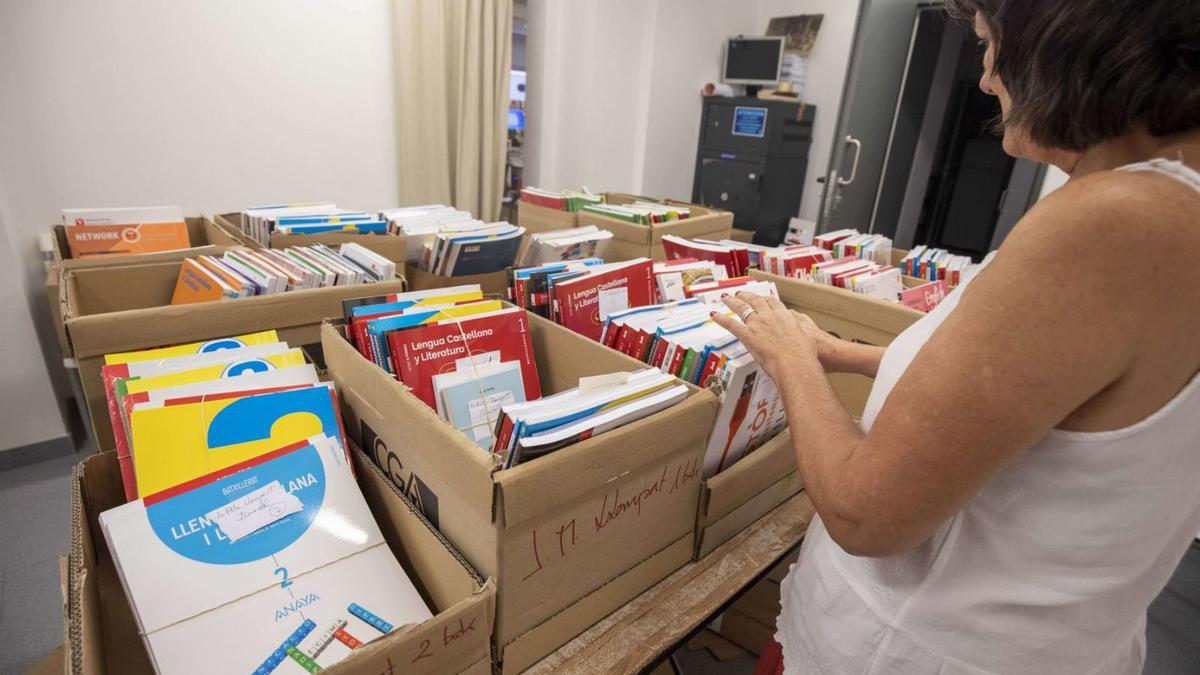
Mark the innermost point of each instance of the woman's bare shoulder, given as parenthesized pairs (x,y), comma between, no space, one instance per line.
(1111,221)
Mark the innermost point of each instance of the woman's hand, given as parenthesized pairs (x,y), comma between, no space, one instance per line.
(778,337)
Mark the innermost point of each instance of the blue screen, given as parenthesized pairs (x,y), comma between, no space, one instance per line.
(749,121)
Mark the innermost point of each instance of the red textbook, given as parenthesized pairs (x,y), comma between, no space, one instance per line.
(582,303)
(736,260)
(446,346)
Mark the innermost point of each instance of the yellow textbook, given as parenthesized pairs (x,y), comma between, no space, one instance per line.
(175,444)
(261,338)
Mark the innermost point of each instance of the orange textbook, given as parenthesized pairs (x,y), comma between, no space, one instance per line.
(199,284)
(125,231)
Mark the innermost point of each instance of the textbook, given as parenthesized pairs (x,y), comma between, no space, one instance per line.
(560,200)
(925,297)
(528,286)
(672,277)
(735,258)
(583,302)
(125,231)
(242,273)
(640,212)
(359,311)
(260,222)
(378,328)
(273,565)
(470,398)
(231,352)
(936,264)
(491,248)
(421,354)
(750,412)
(126,390)
(594,396)
(174,444)
(570,244)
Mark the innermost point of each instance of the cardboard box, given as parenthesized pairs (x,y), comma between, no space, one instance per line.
(849,316)
(102,634)
(495,283)
(118,309)
(631,240)
(536,218)
(206,238)
(390,246)
(569,537)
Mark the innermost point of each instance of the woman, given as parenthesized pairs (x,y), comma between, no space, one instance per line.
(1026,474)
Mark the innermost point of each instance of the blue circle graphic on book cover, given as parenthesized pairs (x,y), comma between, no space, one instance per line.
(246,367)
(181,521)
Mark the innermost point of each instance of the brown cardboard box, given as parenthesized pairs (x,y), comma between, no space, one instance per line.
(118,309)
(849,316)
(631,240)
(390,246)
(495,283)
(569,537)
(206,238)
(743,493)
(541,219)
(102,634)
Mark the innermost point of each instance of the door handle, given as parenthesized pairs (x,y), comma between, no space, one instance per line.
(854,166)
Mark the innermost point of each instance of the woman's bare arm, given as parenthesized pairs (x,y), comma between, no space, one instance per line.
(1053,321)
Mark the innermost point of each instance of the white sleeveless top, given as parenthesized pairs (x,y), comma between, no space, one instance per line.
(1049,569)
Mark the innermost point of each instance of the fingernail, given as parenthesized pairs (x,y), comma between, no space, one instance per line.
(711,314)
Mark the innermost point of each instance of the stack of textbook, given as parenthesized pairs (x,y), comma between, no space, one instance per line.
(640,212)
(451,243)
(574,243)
(681,339)
(560,200)
(243,273)
(581,294)
(244,526)
(472,361)
(936,264)
(845,259)
(672,278)
(260,222)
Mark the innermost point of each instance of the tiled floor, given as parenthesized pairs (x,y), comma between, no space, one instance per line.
(34,521)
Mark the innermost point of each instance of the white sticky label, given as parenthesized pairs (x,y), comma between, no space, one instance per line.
(612,300)
(254,511)
(598,382)
(484,412)
(476,360)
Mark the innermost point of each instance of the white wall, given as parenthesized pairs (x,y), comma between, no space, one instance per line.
(211,105)
(615,88)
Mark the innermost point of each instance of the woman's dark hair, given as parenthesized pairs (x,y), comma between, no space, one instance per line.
(1084,71)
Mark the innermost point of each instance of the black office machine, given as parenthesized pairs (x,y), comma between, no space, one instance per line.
(752,160)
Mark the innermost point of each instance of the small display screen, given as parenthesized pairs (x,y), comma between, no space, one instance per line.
(752,59)
(749,121)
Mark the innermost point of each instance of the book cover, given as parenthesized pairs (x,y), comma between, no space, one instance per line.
(470,399)
(417,316)
(228,571)
(196,283)
(583,303)
(173,444)
(749,413)
(424,352)
(124,387)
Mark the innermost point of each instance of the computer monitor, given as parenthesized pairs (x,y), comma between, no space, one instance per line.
(752,60)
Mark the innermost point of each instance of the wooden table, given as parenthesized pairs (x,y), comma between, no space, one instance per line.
(641,634)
